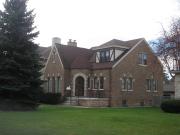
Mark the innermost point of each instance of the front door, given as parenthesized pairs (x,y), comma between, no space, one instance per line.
(79,86)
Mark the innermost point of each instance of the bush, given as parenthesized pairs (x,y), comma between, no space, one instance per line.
(17,105)
(171,106)
(51,98)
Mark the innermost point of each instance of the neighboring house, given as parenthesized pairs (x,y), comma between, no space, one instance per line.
(168,89)
(116,73)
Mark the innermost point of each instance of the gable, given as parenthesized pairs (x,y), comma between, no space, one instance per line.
(54,66)
(131,57)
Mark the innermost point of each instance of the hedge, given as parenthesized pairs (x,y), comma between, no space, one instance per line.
(51,98)
(171,106)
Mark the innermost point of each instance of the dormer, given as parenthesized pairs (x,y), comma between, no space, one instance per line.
(108,54)
(110,51)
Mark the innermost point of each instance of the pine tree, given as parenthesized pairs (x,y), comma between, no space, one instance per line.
(19,59)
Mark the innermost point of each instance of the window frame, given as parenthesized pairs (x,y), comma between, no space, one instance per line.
(127,84)
(101,83)
(151,85)
(58,88)
(48,84)
(142,58)
(103,57)
(96,83)
(88,82)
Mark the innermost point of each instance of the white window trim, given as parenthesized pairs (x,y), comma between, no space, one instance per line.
(124,89)
(142,65)
(130,90)
(127,90)
(155,91)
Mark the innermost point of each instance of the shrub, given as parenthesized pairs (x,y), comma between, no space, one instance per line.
(171,106)
(17,105)
(51,98)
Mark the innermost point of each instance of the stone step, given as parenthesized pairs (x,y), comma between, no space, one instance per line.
(70,101)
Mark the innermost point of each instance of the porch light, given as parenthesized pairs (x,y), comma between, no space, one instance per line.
(68,87)
(5,53)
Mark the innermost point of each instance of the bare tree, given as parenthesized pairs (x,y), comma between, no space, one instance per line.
(168,46)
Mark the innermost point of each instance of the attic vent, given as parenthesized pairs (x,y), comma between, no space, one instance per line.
(56,40)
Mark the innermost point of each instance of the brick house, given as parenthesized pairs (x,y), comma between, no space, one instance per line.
(116,73)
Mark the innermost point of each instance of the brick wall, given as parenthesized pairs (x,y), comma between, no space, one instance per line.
(129,66)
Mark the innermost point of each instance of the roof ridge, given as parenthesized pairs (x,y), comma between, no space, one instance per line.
(134,39)
(72,46)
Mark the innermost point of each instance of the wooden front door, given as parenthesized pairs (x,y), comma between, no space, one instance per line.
(79,86)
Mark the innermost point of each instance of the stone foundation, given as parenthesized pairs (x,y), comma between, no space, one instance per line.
(94,102)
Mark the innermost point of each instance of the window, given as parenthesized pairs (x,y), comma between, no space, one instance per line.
(148,84)
(101,82)
(58,85)
(88,82)
(155,85)
(48,84)
(92,82)
(124,83)
(151,84)
(142,58)
(127,83)
(104,56)
(53,84)
(96,83)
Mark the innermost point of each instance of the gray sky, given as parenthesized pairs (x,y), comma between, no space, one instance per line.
(93,22)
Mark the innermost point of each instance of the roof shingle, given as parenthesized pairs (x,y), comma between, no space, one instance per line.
(81,58)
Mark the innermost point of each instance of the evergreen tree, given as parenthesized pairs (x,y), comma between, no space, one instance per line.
(19,59)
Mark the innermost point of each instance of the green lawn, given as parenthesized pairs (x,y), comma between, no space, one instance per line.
(56,120)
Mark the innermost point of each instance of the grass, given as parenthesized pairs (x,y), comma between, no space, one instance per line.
(56,120)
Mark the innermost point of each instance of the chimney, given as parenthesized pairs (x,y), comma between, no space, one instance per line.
(72,43)
(56,40)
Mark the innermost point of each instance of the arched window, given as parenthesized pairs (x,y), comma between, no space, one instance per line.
(124,83)
(101,81)
(88,82)
(96,83)
(127,84)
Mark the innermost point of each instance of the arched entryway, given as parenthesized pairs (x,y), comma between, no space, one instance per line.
(79,82)
(79,86)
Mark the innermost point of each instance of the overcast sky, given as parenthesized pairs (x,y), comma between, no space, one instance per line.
(93,22)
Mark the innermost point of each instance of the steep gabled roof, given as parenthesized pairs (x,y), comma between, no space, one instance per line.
(74,57)
(44,51)
(118,43)
(113,42)
(131,43)
(81,58)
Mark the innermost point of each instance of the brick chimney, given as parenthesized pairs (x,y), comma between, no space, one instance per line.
(56,40)
(72,43)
